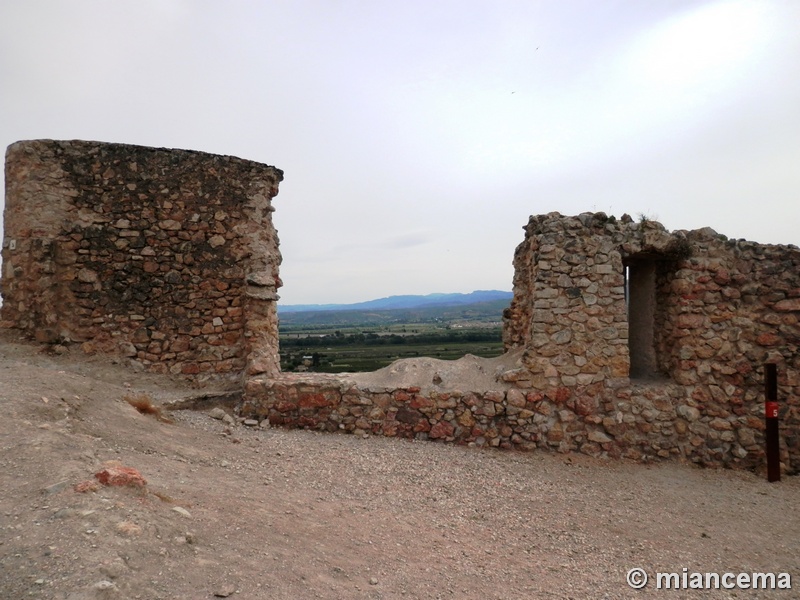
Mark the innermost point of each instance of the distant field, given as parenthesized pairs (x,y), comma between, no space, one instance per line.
(333,341)
(368,349)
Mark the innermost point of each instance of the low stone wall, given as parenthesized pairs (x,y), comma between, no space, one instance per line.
(641,421)
(168,257)
(334,403)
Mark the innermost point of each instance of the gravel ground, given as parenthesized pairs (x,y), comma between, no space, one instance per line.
(297,514)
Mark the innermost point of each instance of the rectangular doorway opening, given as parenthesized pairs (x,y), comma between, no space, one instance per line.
(642,303)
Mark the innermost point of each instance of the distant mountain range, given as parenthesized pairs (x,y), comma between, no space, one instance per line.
(476,307)
(407,302)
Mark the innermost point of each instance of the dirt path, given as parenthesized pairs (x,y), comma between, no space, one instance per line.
(295,514)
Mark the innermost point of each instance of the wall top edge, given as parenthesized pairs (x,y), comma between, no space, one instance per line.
(91,146)
(600,222)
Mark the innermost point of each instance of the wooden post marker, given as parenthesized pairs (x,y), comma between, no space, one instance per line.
(771,416)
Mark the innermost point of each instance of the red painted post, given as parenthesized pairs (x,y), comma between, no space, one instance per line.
(771,417)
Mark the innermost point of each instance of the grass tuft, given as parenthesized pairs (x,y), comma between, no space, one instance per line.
(144,404)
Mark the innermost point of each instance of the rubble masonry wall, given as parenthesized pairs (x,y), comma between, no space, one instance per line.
(168,257)
(711,312)
(717,311)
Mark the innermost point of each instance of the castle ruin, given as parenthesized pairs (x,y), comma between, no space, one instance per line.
(623,339)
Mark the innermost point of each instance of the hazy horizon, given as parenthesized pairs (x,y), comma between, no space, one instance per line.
(365,300)
(417,138)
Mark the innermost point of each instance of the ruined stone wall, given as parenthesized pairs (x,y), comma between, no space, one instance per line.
(502,417)
(166,256)
(708,313)
(623,339)
(568,310)
(721,309)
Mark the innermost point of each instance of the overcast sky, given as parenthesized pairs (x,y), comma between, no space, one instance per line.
(418,136)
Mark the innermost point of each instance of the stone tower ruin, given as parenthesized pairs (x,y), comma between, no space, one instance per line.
(168,257)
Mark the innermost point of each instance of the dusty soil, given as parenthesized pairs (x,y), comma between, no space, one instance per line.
(467,374)
(295,514)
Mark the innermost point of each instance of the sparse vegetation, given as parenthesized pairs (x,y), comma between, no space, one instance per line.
(368,351)
(679,250)
(358,340)
(144,404)
(163,497)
